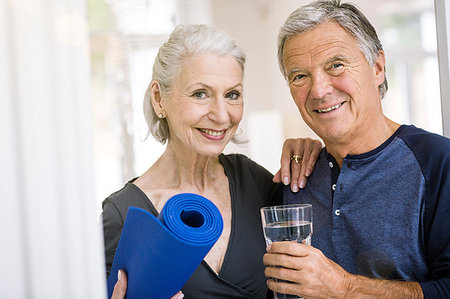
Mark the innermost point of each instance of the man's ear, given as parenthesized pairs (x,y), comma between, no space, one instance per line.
(157,102)
(379,68)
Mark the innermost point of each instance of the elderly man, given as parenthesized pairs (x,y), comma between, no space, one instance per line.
(380,191)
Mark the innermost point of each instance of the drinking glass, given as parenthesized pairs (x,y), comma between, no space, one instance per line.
(287,223)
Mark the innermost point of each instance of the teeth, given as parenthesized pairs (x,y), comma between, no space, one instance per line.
(329,109)
(212,133)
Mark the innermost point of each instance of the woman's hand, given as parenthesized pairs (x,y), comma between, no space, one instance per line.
(295,171)
(120,289)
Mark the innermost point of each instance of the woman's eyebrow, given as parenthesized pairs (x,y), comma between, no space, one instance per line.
(198,85)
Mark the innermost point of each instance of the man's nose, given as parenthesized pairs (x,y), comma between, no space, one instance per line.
(321,85)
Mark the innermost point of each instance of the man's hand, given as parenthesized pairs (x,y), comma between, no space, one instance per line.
(313,275)
(296,171)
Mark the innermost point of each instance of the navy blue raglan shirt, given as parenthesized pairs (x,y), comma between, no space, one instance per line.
(386,213)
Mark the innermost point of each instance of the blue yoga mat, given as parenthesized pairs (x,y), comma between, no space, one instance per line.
(160,254)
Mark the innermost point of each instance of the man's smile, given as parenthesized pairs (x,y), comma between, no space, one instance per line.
(329,109)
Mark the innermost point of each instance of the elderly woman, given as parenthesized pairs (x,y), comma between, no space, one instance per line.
(195,104)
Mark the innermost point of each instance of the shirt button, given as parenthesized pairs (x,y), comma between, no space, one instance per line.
(333,187)
(337,212)
(331,164)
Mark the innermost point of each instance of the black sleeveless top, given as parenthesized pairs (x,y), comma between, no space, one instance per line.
(242,271)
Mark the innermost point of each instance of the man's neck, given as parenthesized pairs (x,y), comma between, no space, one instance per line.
(363,143)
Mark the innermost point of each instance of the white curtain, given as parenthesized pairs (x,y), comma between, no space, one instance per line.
(51,243)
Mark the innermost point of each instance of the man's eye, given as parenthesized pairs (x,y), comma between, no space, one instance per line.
(336,69)
(297,77)
(199,94)
(234,95)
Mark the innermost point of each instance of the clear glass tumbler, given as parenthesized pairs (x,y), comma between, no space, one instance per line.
(287,223)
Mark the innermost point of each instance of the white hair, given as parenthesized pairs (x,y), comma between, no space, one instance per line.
(347,15)
(184,42)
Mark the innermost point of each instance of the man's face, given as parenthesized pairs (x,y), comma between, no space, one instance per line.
(333,85)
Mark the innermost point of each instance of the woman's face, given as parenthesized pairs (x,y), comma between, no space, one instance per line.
(206,105)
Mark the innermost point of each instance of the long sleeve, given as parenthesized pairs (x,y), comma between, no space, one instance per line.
(433,155)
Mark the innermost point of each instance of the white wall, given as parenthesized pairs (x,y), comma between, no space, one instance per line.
(51,241)
(442,8)
(255,25)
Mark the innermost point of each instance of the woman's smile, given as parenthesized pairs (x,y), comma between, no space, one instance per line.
(212,134)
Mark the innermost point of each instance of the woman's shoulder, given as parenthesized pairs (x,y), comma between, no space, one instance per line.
(129,195)
(240,164)
(118,195)
(239,159)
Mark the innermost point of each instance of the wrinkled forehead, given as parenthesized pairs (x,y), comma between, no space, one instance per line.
(210,68)
(319,44)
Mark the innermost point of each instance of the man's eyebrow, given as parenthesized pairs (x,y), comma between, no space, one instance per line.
(336,58)
(328,61)
(292,71)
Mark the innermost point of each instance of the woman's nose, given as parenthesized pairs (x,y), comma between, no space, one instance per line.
(218,111)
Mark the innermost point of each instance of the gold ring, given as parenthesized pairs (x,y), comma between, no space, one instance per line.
(298,159)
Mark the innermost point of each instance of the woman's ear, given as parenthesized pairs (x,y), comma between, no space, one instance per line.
(157,102)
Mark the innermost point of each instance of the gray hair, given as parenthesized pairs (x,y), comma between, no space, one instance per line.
(347,15)
(184,42)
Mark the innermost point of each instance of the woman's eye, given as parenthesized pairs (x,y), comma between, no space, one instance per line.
(234,95)
(336,65)
(199,94)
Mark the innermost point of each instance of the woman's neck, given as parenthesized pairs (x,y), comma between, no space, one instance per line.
(181,169)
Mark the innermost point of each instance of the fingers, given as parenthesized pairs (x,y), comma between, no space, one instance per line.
(280,260)
(178,295)
(313,155)
(296,171)
(290,248)
(311,151)
(289,147)
(282,287)
(120,289)
(308,271)
(295,174)
(308,146)
(277,177)
(283,274)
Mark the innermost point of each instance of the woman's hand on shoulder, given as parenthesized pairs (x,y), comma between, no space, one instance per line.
(298,157)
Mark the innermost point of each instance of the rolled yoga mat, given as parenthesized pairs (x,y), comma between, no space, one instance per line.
(160,254)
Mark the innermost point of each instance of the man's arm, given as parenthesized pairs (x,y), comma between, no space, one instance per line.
(433,155)
(361,286)
(316,276)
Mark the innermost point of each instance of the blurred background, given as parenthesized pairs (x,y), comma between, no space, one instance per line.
(126,34)
(72,79)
